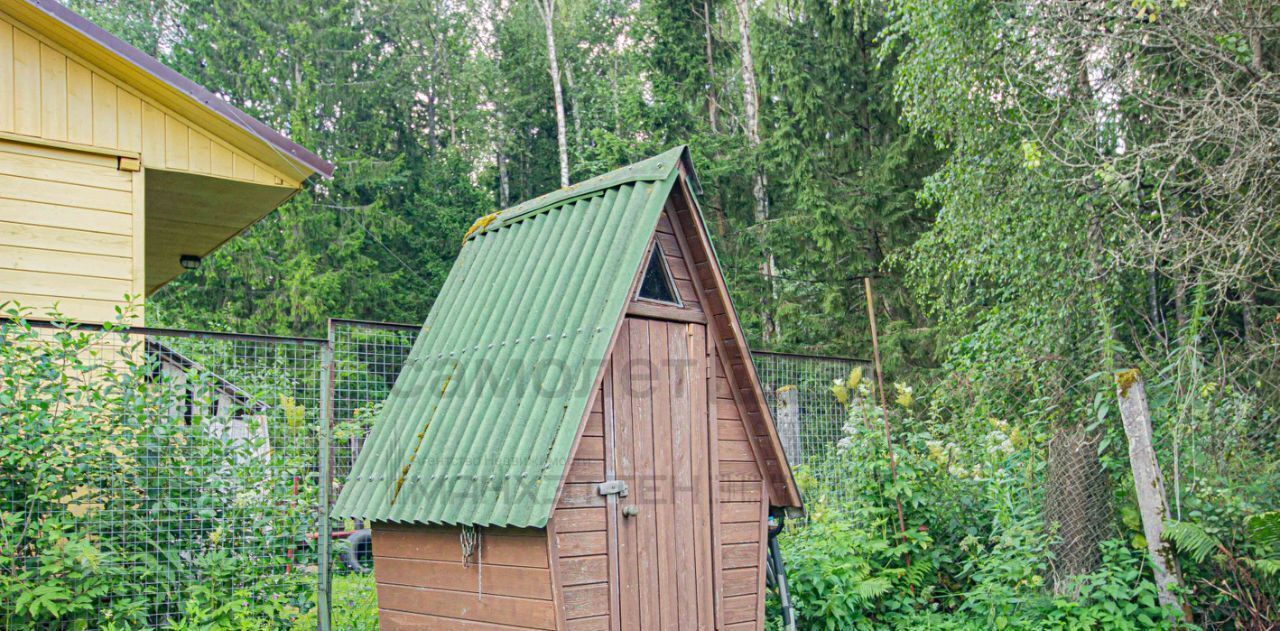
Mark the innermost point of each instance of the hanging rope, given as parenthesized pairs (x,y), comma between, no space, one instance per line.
(470,539)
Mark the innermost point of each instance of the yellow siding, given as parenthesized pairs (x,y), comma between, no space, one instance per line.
(67,231)
(46,93)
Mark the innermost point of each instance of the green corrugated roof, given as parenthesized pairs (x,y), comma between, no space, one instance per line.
(480,423)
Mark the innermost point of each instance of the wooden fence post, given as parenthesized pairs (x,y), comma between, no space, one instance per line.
(787,420)
(1148,483)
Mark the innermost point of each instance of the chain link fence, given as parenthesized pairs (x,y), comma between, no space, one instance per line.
(155,478)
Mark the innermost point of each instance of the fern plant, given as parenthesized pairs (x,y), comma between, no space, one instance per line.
(1242,574)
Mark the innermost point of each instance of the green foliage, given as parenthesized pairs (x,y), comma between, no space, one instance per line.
(1045,192)
(848,572)
(1239,581)
(1264,528)
(115,511)
(355,605)
(975,542)
(1191,539)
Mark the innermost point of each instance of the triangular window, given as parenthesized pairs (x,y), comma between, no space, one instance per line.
(656,284)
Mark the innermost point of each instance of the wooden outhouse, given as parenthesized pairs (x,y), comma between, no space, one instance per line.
(578,439)
(114,168)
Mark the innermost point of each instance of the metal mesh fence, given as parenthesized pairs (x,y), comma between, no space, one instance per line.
(808,417)
(153,478)
(1077,505)
(367,359)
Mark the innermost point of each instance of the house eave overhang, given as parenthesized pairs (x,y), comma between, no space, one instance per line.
(89,40)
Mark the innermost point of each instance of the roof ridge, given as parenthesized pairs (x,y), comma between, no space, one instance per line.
(652,169)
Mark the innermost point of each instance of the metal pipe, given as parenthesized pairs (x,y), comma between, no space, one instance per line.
(834,358)
(148,330)
(779,573)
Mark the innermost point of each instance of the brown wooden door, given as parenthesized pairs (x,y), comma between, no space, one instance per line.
(658,439)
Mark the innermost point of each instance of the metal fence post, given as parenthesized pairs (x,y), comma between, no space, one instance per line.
(324,607)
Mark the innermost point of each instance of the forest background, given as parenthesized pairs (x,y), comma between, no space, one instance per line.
(1043,193)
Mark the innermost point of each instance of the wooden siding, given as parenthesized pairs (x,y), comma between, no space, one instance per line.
(742,509)
(730,345)
(602,579)
(660,416)
(675,252)
(50,95)
(69,231)
(423,584)
(580,530)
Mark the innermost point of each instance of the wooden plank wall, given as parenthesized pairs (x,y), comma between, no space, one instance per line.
(581,530)
(423,584)
(676,264)
(48,94)
(731,346)
(67,231)
(742,508)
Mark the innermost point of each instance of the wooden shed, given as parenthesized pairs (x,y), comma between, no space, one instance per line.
(114,167)
(578,439)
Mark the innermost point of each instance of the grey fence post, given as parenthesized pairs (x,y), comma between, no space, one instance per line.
(324,608)
(787,419)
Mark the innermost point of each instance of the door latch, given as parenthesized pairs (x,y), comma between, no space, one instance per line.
(612,487)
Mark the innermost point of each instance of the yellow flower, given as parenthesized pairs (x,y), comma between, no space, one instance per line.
(904,395)
(840,391)
(855,377)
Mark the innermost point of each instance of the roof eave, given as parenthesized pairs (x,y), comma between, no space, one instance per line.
(306,163)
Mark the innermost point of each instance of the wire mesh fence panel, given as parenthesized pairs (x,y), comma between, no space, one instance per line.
(156,478)
(153,478)
(808,417)
(367,359)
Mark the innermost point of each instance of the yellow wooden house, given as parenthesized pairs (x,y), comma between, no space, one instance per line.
(114,168)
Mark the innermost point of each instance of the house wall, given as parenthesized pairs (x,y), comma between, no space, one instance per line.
(581,524)
(741,503)
(583,555)
(677,262)
(741,511)
(423,584)
(70,231)
(75,142)
(51,95)
(580,529)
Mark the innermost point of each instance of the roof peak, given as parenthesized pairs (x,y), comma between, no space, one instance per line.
(652,169)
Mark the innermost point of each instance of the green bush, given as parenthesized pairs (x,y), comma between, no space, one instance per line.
(116,512)
(355,605)
(975,552)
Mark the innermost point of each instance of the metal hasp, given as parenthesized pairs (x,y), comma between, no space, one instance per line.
(613,487)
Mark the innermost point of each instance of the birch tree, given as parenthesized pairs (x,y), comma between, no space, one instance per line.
(547,9)
(759,184)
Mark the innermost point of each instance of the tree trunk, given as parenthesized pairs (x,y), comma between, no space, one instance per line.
(1180,303)
(712,113)
(548,9)
(1248,305)
(759,184)
(504,180)
(433,131)
(788,421)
